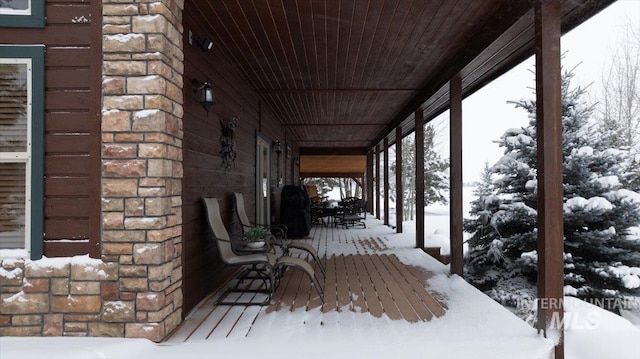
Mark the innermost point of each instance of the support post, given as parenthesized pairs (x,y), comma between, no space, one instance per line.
(550,190)
(377,180)
(386,180)
(369,183)
(399,181)
(419,128)
(455,202)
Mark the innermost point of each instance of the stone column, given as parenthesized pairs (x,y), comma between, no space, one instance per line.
(142,134)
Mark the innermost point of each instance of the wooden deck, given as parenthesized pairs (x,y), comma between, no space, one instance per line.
(362,276)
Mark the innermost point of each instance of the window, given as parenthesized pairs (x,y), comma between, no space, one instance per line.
(21,148)
(22,13)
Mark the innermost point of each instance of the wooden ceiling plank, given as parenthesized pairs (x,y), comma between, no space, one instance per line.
(222,15)
(419,33)
(262,36)
(509,11)
(387,15)
(403,30)
(249,45)
(272,38)
(248,72)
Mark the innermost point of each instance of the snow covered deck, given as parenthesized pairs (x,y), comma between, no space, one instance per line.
(384,298)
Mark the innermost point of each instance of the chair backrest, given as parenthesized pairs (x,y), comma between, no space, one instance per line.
(241,212)
(223,241)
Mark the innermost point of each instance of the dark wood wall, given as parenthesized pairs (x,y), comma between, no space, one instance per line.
(72,39)
(204,173)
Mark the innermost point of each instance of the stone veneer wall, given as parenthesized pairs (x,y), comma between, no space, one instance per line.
(135,289)
(142,160)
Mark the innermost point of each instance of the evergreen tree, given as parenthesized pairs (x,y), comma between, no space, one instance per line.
(485,252)
(436,177)
(601,260)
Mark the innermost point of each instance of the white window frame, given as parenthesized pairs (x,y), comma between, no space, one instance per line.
(24,157)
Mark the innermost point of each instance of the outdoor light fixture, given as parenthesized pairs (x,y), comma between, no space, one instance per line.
(206,93)
(277,146)
(205,45)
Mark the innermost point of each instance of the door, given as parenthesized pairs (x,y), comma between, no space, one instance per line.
(263,180)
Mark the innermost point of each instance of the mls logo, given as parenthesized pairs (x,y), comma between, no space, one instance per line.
(575,320)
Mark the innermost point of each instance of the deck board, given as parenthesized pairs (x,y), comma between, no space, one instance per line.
(364,278)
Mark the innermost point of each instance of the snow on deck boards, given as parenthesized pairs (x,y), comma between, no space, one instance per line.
(364,280)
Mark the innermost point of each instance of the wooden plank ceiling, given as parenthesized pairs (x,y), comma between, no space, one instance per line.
(342,74)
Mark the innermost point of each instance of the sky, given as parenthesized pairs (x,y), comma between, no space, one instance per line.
(486,114)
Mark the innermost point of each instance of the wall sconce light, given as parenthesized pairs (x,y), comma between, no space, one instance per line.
(206,93)
(277,146)
(205,45)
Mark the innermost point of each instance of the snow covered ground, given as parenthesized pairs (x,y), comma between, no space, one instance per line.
(474,326)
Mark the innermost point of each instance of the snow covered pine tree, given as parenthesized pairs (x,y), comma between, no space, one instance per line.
(601,218)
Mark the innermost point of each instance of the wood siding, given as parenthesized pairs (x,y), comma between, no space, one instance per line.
(72,38)
(204,174)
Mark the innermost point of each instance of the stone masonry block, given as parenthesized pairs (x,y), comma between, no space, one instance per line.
(150,301)
(117,248)
(151,331)
(30,319)
(145,222)
(97,272)
(113,85)
(149,120)
(116,120)
(125,67)
(134,207)
(11,277)
(124,168)
(158,206)
(119,9)
(133,284)
(84,287)
(60,286)
(119,150)
(53,325)
(152,150)
(160,168)
(123,43)
(24,303)
(150,24)
(114,330)
(148,253)
(112,204)
(112,220)
(129,102)
(119,187)
(76,304)
(35,285)
(118,311)
(59,268)
(152,84)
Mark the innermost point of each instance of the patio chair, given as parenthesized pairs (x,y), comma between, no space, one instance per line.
(351,212)
(266,267)
(279,231)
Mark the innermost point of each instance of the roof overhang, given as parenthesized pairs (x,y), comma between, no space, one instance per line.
(340,166)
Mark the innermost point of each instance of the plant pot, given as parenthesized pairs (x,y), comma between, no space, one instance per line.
(255,244)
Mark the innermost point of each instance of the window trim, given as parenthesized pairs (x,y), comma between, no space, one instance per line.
(34,228)
(35,19)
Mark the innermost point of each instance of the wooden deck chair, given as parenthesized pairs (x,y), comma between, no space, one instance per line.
(266,266)
(279,231)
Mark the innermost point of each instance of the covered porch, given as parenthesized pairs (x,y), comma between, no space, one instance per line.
(384,298)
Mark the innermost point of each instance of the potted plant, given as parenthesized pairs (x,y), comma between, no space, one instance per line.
(256,237)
